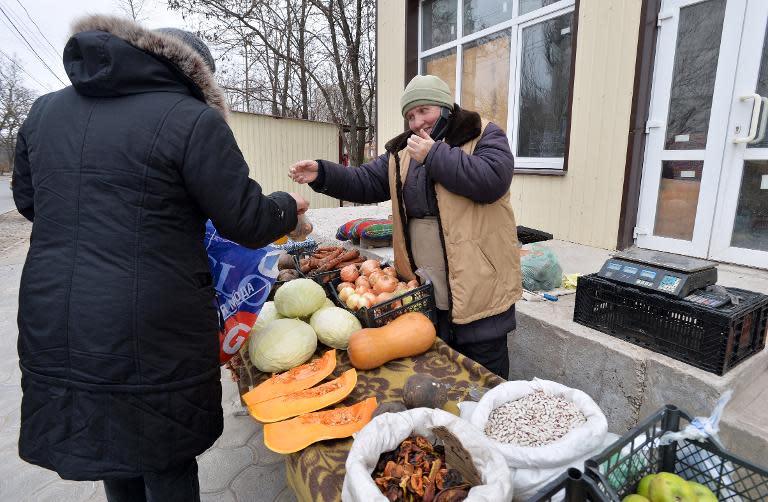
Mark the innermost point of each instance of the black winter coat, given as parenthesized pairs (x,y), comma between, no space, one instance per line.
(118,332)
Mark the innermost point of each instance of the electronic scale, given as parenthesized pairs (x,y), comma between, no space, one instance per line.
(666,273)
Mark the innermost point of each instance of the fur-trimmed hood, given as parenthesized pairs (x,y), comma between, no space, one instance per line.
(106,65)
(463,126)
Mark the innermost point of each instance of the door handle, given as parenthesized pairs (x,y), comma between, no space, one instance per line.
(763,123)
(758,103)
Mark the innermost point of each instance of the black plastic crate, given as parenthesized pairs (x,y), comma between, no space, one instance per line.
(324,278)
(571,486)
(530,235)
(713,339)
(618,470)
(421,299)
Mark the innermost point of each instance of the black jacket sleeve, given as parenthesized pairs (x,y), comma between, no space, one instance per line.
(216,175)
(366,184)
(23,192)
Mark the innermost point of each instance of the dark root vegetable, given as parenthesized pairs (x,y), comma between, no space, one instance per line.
(285,262)
(288,275)
(424,391)
(389,408)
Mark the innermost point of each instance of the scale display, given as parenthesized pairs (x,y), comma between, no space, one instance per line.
(661,272)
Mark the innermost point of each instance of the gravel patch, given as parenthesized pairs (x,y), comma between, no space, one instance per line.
(14,230)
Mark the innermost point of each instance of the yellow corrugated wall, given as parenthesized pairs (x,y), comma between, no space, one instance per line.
(584,205)
(270,145)
(390,69)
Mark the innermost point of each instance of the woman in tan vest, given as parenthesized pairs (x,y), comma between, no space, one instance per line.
(448,177)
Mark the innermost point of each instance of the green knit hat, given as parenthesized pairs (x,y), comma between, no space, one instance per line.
(426,90)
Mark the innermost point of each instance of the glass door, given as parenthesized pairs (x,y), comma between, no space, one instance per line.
(696,62)
(740,232)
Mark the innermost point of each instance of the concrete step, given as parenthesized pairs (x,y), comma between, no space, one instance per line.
(744,427)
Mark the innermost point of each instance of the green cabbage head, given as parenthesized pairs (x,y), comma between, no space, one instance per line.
(282,345)
(299,298)
(334,326)
(267,314)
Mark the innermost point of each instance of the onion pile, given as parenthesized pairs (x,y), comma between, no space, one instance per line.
(368,284)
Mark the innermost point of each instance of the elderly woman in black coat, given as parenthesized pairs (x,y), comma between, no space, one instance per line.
(118,332)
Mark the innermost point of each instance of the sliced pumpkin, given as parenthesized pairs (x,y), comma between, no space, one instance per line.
(304,401)
(296,379)
(297,433)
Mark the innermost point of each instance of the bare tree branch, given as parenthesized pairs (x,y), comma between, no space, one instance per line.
(312,59)
(132,8)
(15,103)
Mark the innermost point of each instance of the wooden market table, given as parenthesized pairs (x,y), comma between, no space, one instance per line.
(317,472)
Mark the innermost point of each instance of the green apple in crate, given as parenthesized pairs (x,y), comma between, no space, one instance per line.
(668,487)
(644,487)
(702,493)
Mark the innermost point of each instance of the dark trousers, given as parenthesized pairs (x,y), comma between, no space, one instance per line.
(177,485)
(493,354)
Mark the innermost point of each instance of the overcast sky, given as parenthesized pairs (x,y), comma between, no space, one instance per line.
(54,17)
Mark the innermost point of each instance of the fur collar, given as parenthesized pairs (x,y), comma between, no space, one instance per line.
(464,126)
(166,47)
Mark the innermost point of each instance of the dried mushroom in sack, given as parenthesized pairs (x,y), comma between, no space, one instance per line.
(416,472)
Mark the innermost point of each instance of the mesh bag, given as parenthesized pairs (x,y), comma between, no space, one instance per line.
(541,270)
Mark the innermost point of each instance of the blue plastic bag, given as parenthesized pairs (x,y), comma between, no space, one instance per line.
(242,278)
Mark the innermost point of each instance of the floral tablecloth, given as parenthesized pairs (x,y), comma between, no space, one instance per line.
(317,472)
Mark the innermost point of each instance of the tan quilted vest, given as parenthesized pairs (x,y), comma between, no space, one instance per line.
(482,253)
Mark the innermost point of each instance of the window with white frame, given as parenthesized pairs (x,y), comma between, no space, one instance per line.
(510,61)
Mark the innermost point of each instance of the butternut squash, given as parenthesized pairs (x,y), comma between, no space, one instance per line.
(306,400)
(296,379)
(409,335)
(297,433)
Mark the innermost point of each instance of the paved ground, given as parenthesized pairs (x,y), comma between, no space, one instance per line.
(6,197)
(237,468)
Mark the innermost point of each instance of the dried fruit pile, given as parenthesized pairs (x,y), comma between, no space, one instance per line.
(534,420)
(416,472)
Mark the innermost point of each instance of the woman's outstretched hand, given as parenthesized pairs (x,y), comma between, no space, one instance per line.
(304,171)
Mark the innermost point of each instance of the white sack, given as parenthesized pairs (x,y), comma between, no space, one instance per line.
(386,432)
(533,467)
